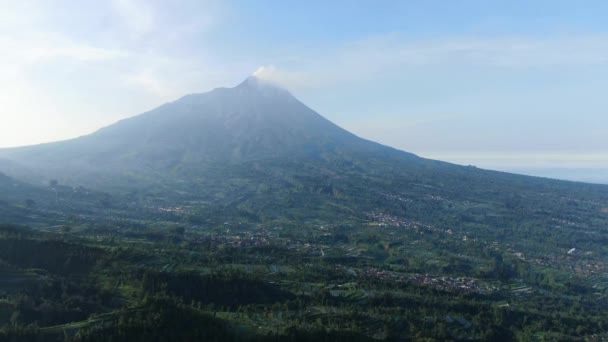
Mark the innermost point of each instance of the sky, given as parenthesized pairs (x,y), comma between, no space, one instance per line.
(510,85)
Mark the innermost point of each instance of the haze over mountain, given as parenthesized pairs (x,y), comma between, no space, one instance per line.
(255,120)
(256,148)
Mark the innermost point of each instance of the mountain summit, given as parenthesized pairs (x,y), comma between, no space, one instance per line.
(250,121)
(262,86)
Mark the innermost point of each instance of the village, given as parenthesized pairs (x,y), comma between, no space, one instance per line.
(443,283)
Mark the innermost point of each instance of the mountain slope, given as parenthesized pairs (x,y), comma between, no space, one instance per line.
(255,149)
(252,121)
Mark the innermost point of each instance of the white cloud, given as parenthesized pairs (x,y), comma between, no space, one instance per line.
(62,79)
(149,82)
(264,71)
(80,53)
(138,16)
(292,79)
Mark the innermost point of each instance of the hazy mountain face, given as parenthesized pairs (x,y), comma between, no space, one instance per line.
(255,146)
(252,121)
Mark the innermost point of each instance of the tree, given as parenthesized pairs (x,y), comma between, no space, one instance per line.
(179,230)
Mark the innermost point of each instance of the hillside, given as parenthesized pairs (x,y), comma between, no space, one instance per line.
(257,148)
(254,121)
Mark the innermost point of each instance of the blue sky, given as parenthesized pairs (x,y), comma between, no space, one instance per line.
(499,84)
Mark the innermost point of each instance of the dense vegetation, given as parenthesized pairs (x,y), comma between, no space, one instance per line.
(430,263)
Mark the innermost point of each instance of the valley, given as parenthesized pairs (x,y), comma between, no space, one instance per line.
(370,276)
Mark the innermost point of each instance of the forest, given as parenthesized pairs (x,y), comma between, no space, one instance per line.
(397,248)
(164,273)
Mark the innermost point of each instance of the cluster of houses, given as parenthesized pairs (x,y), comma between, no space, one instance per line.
(450,284)
(397,198)
(243,239)
(563,222)
(435,198)
(386,220)
(308,248)
(453,284)
(180,210)
(570,262)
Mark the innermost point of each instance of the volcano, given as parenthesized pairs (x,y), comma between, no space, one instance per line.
(256,148)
